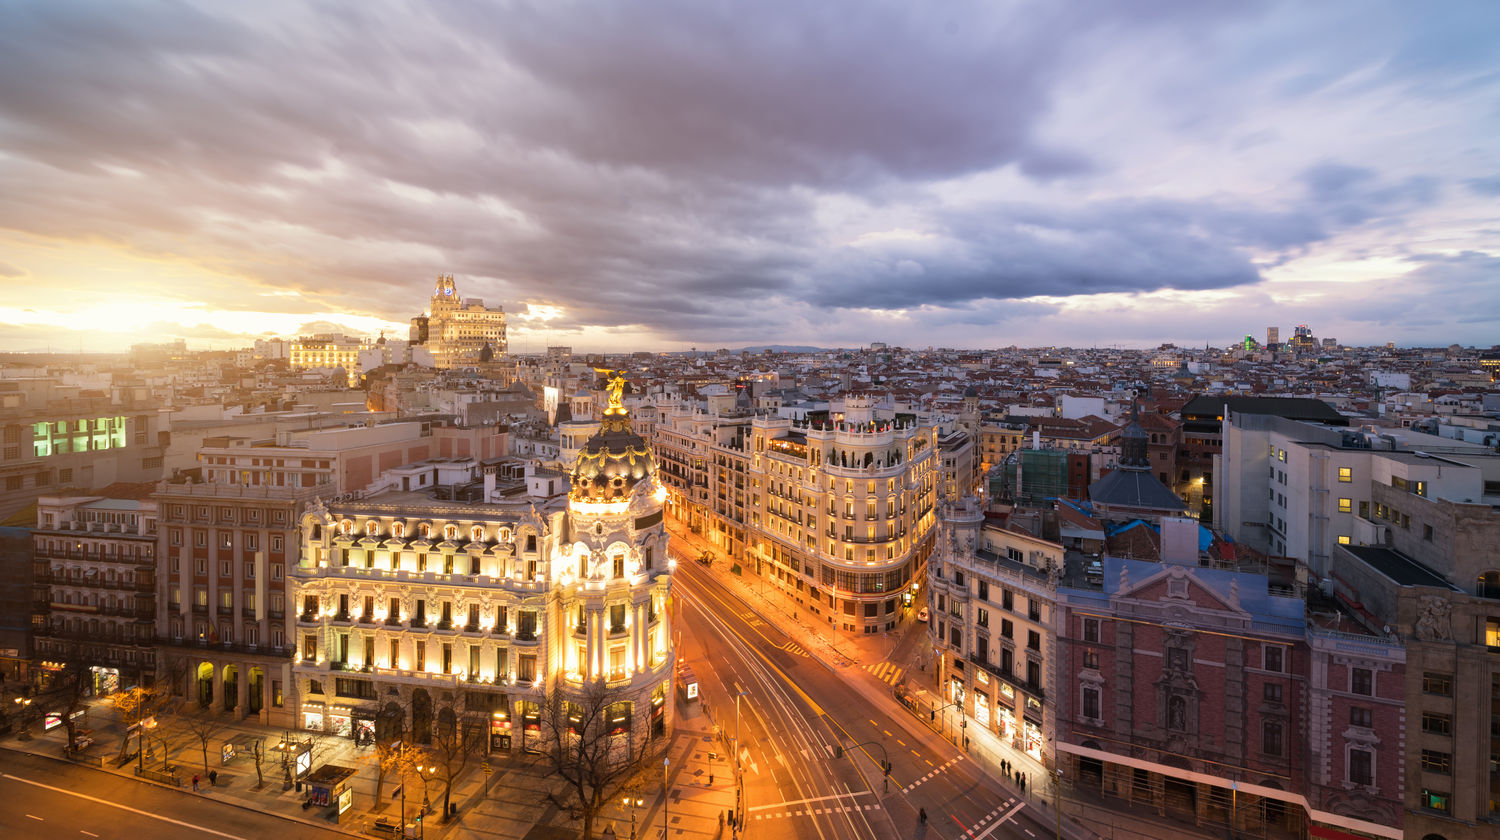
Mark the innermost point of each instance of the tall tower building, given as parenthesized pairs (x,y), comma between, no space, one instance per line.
(1273,337)
(458,331)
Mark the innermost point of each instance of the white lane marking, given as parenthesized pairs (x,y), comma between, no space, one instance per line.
(815,799)
(89,833)
(99,801)
(35,817)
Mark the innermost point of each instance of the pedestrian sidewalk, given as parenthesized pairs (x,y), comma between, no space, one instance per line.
(236,780)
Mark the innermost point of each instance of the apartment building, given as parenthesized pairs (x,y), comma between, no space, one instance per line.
(992,591)
(96,570)
(841,510)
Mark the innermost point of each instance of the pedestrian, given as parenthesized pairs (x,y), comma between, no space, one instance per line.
(195,783)
(922,815)
(213,778)
(1023,782)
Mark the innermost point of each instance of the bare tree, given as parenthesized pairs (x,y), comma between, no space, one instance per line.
(202,726)
(587,741)
(140,709)
(454,742)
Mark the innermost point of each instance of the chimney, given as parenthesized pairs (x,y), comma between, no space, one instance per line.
(1036,438)
(489,483)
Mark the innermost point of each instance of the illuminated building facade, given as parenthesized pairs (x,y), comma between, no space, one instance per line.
(328,351)
(458,331)
(411,608)
(96,561)
(992,594)
(841,510)
(228,541)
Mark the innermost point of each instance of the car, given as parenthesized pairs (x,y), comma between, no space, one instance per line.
(923,615)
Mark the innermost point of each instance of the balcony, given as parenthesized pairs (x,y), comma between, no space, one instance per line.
(145,586)
(307,618)
(393,621)
(276,614)
(200,609)
(225,609)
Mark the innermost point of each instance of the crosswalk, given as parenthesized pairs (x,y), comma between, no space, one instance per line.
(886,672)
(794,649)
(809,812)
(936,770)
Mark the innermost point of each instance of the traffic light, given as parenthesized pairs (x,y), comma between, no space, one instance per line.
(886,768)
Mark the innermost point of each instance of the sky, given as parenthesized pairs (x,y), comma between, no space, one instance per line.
(666,174)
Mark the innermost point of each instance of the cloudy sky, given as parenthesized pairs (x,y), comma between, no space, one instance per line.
(660,175)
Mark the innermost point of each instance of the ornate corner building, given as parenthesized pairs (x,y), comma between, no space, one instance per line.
(413,607)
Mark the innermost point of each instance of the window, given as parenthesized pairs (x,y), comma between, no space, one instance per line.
(1007,629)
(1091,659)
(1091,630)
(982,617)
(617,618)
(984,590)
(1091,703)
(1343,539)
(526,666)
(309,647)
(1177,659)
(1492,633)
(1033,640)
(1434,723)
(1271,692)
(1271,737)
(1437,762)
(1346,505)
(1438,684)
(1435,800)
(1346,474)
(1361,766)
(395,653)
(1362,681)
(1273,658)
(1361,716)
(1007,600)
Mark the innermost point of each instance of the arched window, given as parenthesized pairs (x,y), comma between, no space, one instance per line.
(450,532)
(1489,585)
(372,528)
(476,533)
(346,527)
(398,529)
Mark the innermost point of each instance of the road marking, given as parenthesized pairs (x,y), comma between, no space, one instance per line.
(99,801)
(814,799)
(887,732)
(901,742)
(1028,832)
(929,763)
(35,817)
(89,833)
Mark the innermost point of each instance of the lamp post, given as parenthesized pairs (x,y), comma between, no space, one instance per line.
(23,711)
(632,802)
(666,798)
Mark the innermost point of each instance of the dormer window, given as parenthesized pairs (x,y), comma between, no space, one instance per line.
(398,530)
(450,532)
(372,528)
(346,527)
(476,533)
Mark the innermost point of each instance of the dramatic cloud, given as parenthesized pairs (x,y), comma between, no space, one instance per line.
(671,172)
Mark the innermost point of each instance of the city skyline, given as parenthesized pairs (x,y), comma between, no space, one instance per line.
(674,175)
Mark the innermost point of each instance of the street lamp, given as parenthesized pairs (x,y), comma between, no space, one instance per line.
(632,802)
(666,797)
(1057,802)
(739,778)
(24,712)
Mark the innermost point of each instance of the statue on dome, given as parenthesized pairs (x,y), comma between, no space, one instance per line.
(615,384)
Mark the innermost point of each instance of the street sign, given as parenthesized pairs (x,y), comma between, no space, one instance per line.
(487,768)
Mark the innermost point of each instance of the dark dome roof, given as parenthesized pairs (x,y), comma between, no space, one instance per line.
(612,462)
(615,459)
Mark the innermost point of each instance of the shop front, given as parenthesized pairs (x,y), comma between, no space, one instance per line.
(499,731)
(314,716)
(340,721)
(104,681)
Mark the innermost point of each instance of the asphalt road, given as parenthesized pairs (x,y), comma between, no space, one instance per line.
(49,800)
(798,711)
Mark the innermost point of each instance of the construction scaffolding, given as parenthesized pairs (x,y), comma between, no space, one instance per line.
(1030,477)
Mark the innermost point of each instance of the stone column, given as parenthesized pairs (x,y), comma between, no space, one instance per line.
(242,691)
(216,702)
